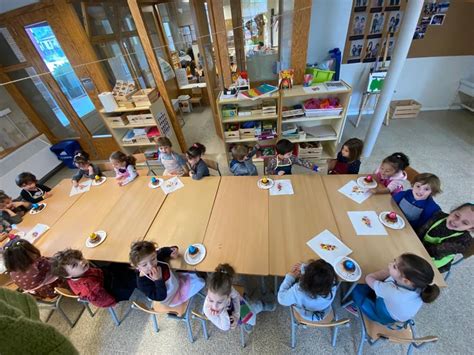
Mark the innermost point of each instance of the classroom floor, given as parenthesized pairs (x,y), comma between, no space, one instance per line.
(440,142)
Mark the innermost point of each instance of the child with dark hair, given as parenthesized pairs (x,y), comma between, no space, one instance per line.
(446,235)
(197,167)
(102,288)
(174,163)
(417,204)
(310,288)
(28,269)
(348,159)
(155,277)
(396,294)
(32,191)
(12,211)
(86,168)
(284,159)
(124,166)
(391,174)
(241,163)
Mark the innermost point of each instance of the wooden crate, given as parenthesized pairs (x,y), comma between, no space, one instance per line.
(117,121)
(404,109)
(310,150)
(232,131)
(145,97)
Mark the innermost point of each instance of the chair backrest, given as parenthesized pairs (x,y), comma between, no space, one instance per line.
(159,308)
(212,164)
(196,91)
(327,322)
(411,173)
(65,292)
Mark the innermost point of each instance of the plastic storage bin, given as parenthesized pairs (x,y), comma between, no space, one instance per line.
(65,150)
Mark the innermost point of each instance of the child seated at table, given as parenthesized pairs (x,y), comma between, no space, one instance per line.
(5,229)
(348,159)
(174,163)
(310,288)
(124,167)
(197,167)
(446,235)
(32,191)
(29,270)
(284,159)
(417,204)
(390,174)
(101,287)
(86,168)
(396,294)
(12,211)
(157,280)
(241,163)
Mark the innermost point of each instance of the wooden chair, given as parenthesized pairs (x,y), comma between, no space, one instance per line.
(411,173)
(399,333)
(54,303)
(212,164)
(68,294)
(203,319)
(196,96)
(330,321)
(181,313)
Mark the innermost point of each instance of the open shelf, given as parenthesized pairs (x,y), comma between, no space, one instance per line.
(312,139)
(138,144)
(124,109)
(135,125)
(309,119)
(249,118)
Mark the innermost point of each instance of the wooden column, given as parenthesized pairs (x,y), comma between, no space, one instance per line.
(205,48)
(216,14)
(155,70)
(299,38)
(237,25)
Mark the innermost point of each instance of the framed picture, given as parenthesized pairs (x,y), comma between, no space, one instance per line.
(394,21)
(376,26)
(360,3)
(376,80)
(371,50)
(437,20)
(376,3)
(355,51)
(391,43)
(358,24)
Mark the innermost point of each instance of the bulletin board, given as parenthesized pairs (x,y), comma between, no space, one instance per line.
(444,29)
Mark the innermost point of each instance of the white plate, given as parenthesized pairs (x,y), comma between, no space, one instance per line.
(265,187)
(343,273)
(100,182)
(400,221)
(195,259)
(160,181)
(365,185)
(32,211)
(102,235)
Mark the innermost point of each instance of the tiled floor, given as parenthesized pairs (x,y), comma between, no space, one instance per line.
(438,142)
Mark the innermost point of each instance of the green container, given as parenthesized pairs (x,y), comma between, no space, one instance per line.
(320,76)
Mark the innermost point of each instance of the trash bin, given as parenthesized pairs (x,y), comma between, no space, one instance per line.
(64,150)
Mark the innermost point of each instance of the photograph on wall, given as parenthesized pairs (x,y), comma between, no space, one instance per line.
(376,5)
(392,5)
(391,43)
(437,20)
(443,7)
(425,21)
(394,21)
(360,3)
(358,26)
(430,7)
(420,32)
(355,51)
(376,25)
(371,50)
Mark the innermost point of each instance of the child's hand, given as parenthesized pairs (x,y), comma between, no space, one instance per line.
(281,172)
(48,194)
(91,170)
(155,274)
(75,183)
(9,211)
(296,270)
(175,253)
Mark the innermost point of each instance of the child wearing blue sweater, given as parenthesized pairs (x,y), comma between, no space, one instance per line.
(417,204)
(310,288)
(241,163)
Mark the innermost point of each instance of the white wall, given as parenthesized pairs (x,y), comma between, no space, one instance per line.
(8,5)
(432,81)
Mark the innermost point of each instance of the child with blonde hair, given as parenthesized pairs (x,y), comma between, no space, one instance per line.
(124,167)
(174,163)
(241,163)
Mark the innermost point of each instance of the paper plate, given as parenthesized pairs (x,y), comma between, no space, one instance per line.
(400,221)
(267,186)
(100,182)
(195,259)
(102,236)
(343,273)
(365,185)
(32,211)
(159,180)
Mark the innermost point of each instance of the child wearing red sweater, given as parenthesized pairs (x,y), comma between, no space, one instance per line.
(102,288)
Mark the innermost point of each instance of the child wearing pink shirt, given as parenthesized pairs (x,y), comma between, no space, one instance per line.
(390,174)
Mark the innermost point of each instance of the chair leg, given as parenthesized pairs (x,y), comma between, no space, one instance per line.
(114,316)
(334,336)
(294,325)
(242,336)
(362,336)
(63,314)
(349,291)
(49,315)
(204,329)
(187,320)
(410,349)
(126,314)
(155,323)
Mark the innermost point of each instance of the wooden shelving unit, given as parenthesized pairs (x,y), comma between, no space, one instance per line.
(287,98)
(160,120)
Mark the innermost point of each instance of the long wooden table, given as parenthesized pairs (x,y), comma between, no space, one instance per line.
(237,222)
(372,252)
(183,218)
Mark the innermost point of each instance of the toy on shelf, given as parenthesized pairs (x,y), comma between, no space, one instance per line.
(286,79)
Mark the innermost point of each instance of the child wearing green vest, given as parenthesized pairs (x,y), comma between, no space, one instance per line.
(446,235)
